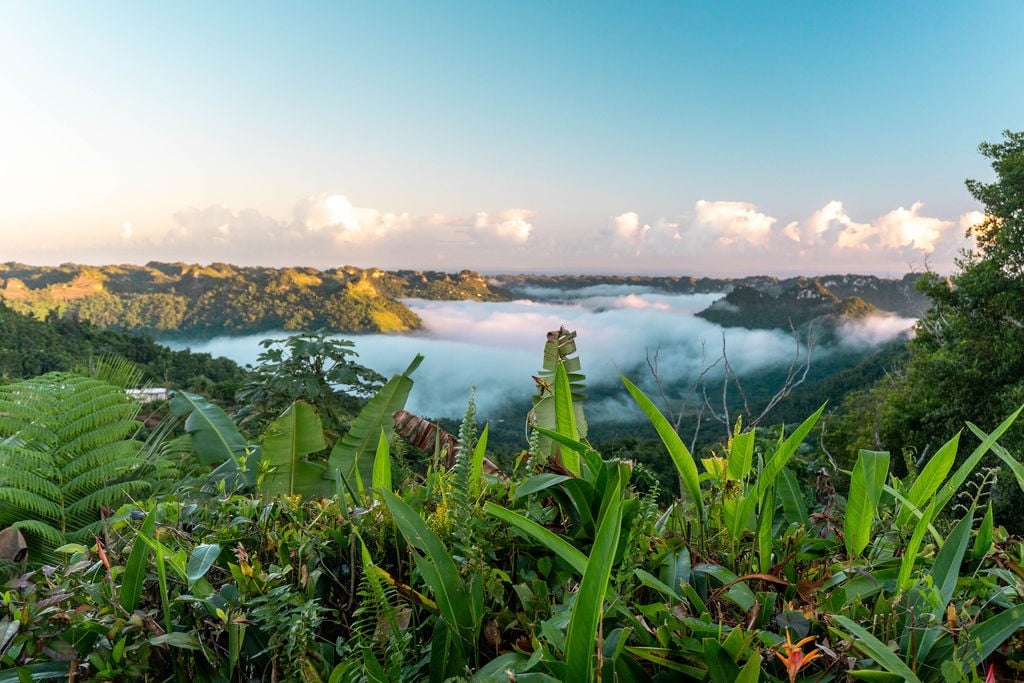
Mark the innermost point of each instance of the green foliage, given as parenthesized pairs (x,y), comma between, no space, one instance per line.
(967,359)
(312,367)
(66,453)
(753,572)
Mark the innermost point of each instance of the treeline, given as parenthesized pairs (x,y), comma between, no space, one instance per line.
(189,299)
(30,347)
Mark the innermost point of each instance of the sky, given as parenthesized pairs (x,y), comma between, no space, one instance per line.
(657,137)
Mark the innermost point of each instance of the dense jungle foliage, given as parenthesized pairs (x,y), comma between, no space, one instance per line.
(321,533)
(192,300)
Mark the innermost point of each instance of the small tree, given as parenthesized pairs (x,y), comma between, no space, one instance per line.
(312,367)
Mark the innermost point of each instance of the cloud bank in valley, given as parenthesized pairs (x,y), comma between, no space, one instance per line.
(711,237)
(497,347)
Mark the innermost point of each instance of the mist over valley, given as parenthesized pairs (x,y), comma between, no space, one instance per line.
(495,347)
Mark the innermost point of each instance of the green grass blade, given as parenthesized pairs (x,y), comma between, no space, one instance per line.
(138,562)
(677,450)
(583,635)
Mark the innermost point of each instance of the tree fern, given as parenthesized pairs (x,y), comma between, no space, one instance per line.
(66,452)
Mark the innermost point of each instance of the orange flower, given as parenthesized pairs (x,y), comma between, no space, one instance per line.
(795,659)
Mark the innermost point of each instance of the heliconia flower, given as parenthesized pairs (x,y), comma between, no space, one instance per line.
(794,657)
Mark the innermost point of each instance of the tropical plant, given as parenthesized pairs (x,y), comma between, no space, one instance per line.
(67,457)
(314,367)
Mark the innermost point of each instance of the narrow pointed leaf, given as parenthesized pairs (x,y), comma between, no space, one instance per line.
(556,544)
(583,633)
(677,450)
(357,446)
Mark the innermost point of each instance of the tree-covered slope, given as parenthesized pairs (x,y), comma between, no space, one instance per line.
(30,347)
(191,299)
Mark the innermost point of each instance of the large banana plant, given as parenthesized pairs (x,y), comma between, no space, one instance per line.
(66,453)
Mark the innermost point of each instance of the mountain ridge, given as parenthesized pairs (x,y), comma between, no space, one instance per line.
(189,299)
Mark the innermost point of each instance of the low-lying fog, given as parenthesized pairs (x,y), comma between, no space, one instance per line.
(496,347)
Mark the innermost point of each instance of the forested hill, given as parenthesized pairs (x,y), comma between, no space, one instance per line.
(166,299)
(31,347)
(189,299)
(755,301)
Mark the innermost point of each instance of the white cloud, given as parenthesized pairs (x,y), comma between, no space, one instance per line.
(512,225)
(127,230)
(906,228)
(731,222)
(627,229)
(334,214)
(971,219)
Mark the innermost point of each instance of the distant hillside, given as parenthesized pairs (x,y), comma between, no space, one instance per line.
(30,347)
(181,298)
(759,301)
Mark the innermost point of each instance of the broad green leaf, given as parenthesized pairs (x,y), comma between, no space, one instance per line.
(770,472)
(186,641)
(536,483)
(794,509)
(200,561)
(585,617)
(751,671)
(354,449)
(929,479)
(556,544)
(862,639)
(289,439)
(138,562)
(945,572)
(862,503)
(436,567)
(677,450)
(741,456)
(1015,466)
(495,671)
(739,593)
(944,495)
(215,439)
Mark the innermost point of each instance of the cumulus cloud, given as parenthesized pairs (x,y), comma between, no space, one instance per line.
(335,214)
(328,229)
(971,219)
(732,222)
(512,225)
(907,228)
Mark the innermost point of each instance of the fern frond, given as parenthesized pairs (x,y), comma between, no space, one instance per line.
(124,453)
(65,454)
(18,501)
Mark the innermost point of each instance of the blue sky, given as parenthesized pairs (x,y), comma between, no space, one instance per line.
(711,138)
